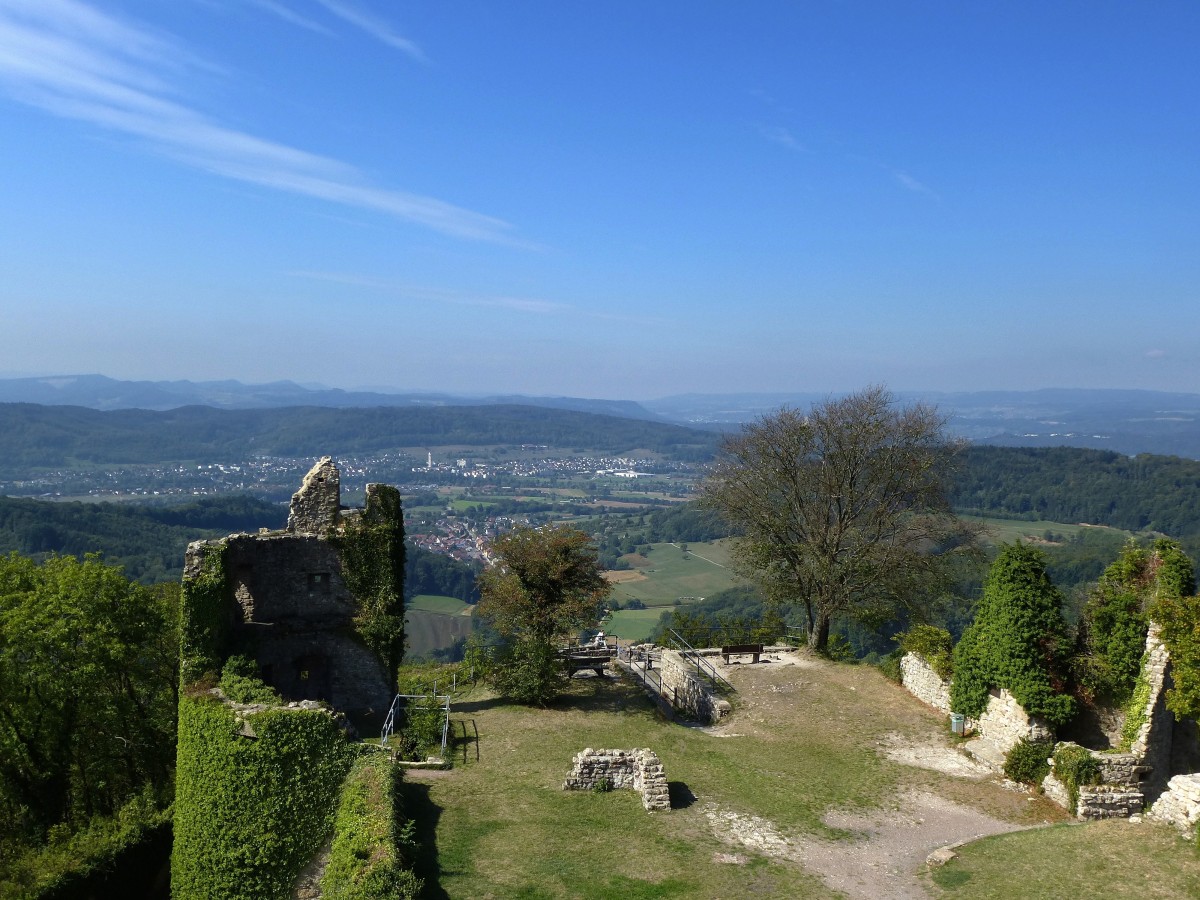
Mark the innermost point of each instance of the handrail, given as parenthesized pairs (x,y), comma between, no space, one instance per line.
(703,666)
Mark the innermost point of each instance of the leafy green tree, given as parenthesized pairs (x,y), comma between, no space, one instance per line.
(1112,630)
(88,668)
(545,586)
(1017,641)
(842,510)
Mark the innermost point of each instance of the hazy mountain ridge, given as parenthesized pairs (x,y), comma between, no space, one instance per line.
(103,393)
(1125,421)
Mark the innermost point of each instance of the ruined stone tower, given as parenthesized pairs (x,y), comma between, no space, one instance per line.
(318,606)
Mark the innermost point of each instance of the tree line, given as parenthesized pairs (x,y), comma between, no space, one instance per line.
(37,437)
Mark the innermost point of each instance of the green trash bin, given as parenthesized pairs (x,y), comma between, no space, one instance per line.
(958,723)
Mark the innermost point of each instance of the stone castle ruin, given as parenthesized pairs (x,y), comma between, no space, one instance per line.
(319,605)
(1160,772)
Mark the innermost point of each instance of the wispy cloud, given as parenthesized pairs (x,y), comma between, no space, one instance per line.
(435,295)
(1156,354)
(374,26)
(70,60)
(907,182)
(777,134)
(290,15)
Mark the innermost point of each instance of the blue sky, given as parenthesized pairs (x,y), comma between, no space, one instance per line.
(615,199)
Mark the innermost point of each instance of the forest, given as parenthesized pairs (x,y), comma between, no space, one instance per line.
(40,437)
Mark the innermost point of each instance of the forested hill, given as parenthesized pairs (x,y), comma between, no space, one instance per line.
(147,540)
(1064,484)
(59,436)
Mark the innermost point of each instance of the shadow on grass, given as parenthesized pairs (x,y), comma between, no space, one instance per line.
(681,795)
(424,814)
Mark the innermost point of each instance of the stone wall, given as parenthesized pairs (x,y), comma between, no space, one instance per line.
(316,505)
(288,606)
(687,691)
(1155,737)
(1005,723)
(639,770)
(1179,804)
(922,682)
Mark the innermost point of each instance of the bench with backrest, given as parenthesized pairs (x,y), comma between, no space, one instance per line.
(741,650)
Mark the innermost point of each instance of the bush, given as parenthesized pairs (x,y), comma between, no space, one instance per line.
(934,645)
(890,665)
(240,682)
(1075,766)
(1026,761)
(1016,642)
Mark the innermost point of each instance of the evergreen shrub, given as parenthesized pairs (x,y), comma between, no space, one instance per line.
(1016,641)
(1026,761)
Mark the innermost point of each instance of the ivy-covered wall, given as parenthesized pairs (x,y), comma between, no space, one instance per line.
(250,812)
(371,548)
(204,614)
(371,837)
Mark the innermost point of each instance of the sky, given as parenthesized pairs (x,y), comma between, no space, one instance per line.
(614,200)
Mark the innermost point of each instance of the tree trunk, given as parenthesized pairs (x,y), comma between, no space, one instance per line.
(818,634)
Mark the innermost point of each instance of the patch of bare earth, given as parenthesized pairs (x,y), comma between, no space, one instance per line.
(888,850)
(945,800)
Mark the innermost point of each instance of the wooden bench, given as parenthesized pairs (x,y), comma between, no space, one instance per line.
(741,650)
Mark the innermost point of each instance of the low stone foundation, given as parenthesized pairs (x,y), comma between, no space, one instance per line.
(1179,804)
(1105,801)
(638,769)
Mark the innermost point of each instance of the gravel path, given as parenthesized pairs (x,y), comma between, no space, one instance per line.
(884,861)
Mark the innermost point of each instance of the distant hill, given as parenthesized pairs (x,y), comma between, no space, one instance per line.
(1128,422)
(65,436)
(1124,421)
(101,392)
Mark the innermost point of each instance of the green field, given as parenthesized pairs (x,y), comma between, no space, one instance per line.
(436,603)
(432,622)
(668,574)
(1009,530)
(633,624)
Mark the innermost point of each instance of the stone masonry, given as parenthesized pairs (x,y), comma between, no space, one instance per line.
(1154,739)
(922,682)
(1179,804)
(638,769)
(685,690)
(289,607)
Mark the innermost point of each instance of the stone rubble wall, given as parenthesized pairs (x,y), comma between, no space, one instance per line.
(639,769)
(1153,742)
(1005,723)
(1118,795)
(922,682)
(314,508)
(1109,802)
(1179,804)
(687,691)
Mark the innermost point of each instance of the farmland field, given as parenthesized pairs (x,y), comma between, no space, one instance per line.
(669,573)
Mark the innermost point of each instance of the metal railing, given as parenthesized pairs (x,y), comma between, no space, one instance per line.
(703,666)
(389,723)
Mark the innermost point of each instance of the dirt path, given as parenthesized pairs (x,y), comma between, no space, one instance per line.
(888,851)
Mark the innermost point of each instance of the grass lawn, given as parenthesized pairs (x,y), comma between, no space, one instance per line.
(1097,859)
(801,743)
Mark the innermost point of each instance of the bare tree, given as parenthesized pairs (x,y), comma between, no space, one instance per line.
(842,510)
